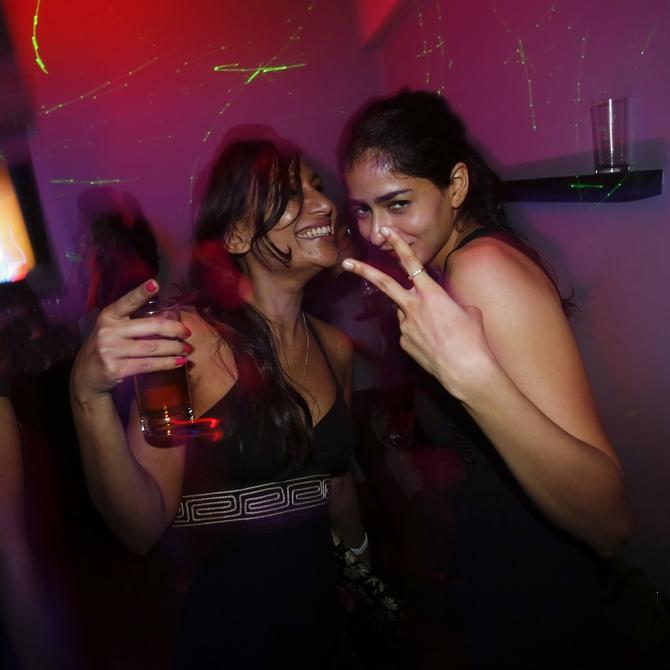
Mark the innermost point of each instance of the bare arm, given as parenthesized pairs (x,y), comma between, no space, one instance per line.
(135,487)
(510,358)
(535,404)
(22,602)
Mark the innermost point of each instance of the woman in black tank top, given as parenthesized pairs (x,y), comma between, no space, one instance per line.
(238,520)
(544,494)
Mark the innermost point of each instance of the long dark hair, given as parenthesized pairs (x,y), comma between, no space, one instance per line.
(418,134)
(251,181)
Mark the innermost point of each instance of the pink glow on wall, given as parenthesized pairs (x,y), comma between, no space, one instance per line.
(373,15)
(138,98)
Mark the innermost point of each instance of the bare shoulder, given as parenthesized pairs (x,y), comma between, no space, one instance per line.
(204,338)
(211,364)
(337,344)
(528,332)
(521,310)
(490,273)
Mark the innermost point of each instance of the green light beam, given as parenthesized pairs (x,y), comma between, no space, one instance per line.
(36,48)
(255,71)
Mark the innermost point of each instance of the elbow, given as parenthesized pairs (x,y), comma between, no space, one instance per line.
(140,545)
(139,540)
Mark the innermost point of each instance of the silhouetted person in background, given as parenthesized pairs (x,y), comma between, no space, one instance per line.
(36,434)
(121,251)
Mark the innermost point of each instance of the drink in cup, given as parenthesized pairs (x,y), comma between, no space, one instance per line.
(163,397)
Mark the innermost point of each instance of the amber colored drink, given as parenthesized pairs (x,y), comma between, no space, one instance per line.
(163,397)
(164,405)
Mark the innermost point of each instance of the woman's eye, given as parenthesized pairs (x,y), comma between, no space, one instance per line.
(398,205)
(360,211)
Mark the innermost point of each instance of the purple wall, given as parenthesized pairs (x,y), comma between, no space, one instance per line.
(142,104)
(524,74)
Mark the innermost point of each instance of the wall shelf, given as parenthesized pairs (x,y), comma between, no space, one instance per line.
(620,187)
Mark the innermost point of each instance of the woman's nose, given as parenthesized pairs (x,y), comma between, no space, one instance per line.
(376,237)
(318,203)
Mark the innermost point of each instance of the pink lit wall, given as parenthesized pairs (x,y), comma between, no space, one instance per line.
(137,94)
(374,15)
(524,74)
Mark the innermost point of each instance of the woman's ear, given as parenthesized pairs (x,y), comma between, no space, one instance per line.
(238,241)
(460,182)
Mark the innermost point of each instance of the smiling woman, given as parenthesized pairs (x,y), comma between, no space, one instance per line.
(244,522)
(544,496)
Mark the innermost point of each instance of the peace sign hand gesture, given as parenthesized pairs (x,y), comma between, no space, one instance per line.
(446,339)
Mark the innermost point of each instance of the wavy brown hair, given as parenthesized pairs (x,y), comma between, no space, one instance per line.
(254,181)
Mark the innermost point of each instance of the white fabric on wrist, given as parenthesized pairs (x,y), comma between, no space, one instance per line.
(357,551)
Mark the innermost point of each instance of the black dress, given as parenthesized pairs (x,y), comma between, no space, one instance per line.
(523,593)
(252,554)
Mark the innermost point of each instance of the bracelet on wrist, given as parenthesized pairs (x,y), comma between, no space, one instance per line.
(357,551)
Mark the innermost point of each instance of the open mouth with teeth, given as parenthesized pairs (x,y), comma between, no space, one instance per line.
(313,232)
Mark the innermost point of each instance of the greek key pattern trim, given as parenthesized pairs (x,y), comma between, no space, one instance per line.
(254,502)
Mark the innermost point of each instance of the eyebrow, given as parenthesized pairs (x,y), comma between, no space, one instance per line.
(385,197)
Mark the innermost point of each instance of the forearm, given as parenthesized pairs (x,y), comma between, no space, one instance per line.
(125,494)
(574,483)
(344,512)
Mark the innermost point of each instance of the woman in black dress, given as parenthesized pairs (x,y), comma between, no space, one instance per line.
(242,514)
(544,493)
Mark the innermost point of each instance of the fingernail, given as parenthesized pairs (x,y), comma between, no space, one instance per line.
(188,331)
(180,360)
(151,286)
(384,231)
(347,264)
(188,349)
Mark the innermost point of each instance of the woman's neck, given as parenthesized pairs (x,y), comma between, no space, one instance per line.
(282,309)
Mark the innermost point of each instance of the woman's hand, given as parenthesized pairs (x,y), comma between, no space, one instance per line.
(121,347)
(446,339)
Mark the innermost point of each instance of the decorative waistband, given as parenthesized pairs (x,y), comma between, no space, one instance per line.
(254,502)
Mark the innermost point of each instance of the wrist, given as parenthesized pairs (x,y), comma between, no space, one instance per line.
(477,381)
(87,399)
(361,548)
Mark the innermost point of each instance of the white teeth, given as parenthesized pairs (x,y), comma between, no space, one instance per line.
(317,231)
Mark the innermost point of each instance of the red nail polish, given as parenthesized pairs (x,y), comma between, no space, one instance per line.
(188,331)
(180,360)
(187,348)
(151,286)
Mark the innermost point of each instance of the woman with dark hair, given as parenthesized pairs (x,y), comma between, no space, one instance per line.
(544,495)
(243,516)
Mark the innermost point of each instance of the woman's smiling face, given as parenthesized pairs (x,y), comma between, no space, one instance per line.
(307,232)
(414,207)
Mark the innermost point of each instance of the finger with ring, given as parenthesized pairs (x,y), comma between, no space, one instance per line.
(416,272)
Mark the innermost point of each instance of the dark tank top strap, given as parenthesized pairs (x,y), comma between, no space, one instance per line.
(472,235)
(312,330)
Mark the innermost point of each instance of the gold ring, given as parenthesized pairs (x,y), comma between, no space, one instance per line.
(416,272)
